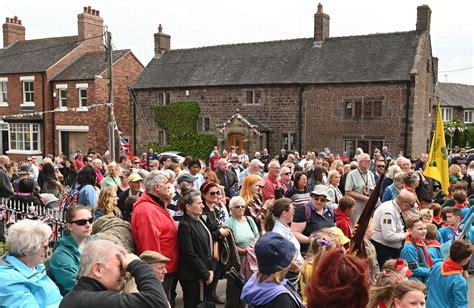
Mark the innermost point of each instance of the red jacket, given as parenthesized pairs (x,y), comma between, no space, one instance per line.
(153,228)
(343,222)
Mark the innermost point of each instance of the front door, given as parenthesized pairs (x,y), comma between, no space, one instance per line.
(236,140)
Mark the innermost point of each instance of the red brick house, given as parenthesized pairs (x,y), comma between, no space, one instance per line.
(64,74)
(302,94)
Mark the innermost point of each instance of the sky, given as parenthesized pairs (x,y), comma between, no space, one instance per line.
(200,23)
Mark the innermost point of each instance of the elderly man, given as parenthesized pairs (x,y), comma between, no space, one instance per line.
(272,180)
(153,227)
(101,278)
(389,226)
(286,178)
(6,189)
(255,167)
(385,153)
(392,191)
(360,183)
(157,262)
(403,163)
(227,178)
(97,164)
(135,182)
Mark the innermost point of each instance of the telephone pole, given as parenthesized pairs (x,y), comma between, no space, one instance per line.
(111,122)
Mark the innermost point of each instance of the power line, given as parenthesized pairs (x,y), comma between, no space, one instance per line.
(457,70)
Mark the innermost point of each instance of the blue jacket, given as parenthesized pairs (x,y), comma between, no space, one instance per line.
(446,234)
(434,250)
(447,290)
(20,286)
(64,263)
(410,254)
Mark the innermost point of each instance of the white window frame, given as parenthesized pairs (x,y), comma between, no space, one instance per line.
(287,139)
(163,137)
(3,89)
(80,87)
(62,89)
(447,114)
(24,80)
(469,116)
(18,132)
(164,98)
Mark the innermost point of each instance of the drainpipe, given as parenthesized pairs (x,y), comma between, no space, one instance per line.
(51,88)
(43,109)
(407,114)
(300,118)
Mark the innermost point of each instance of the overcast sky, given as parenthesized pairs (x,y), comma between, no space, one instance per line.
(197,23)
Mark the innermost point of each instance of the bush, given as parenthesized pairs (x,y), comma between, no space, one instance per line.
(180,120)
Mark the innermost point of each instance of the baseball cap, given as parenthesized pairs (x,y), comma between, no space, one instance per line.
(274,253)
(234,159)
(256,162)
(186,177)
(150,256)
(342,238)
(25,168)
(320,190)
(134,177)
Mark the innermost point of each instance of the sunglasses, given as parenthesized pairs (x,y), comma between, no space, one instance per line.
(239,207)
(288,173)
(380,166)
(215,193)
(319,198)
(83,222)
(136,162)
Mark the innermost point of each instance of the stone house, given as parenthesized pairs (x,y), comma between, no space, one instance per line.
(301,94)
(52,90)
(457,101)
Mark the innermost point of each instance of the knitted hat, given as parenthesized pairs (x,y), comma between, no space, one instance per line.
(274,253)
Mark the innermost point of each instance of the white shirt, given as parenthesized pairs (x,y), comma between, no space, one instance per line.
(285,231)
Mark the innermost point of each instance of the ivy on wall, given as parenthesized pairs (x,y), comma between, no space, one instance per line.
(180,120)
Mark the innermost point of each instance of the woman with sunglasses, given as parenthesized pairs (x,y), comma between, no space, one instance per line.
(312,217)
(251,192)
(64,263)
(212,217)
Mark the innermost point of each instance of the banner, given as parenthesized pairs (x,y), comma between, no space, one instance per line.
(437,165)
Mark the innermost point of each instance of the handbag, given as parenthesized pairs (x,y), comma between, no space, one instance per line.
(204,303)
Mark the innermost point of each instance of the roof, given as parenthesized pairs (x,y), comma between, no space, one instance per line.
(89,65)
(366,58)
(455,94)
(33,56)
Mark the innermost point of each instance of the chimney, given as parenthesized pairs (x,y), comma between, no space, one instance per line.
(321,26)
(423,18)
(162,42)
(13,31)
(90,27)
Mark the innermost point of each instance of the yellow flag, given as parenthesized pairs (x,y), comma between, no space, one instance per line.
(437,165)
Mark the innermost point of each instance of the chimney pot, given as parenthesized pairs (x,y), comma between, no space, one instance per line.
(89,10)
(13,31)
(8,20)
(19,22)
(16,19)
(320,8)
(160,29)
(85,9)
(97,12)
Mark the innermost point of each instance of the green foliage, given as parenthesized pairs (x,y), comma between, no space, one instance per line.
(180,119)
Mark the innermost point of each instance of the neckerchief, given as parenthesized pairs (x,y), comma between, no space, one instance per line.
(421,244)
(460,205)
(433,243)
(449,267)
(438,219)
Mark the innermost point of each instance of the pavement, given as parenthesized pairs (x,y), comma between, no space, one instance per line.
(222,283)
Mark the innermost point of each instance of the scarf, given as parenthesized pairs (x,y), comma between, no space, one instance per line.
(421,244)
(437,219)
(433,243)
(449,267)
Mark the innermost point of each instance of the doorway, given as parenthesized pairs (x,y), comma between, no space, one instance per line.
(236,140)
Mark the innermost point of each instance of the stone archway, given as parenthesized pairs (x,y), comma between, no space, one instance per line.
(238,131)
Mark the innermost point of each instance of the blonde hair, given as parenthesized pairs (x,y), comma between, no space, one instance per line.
(455,170)
(246,191)
(106,201)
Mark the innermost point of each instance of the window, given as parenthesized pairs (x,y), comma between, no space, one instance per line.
(351,145)
(447,114)
(203,124)
(164,98)
(82,98)
(366,108)
(162,137)
(468,116)
(253,97)
(428,66)
(62,98)
(3,92)
(28,92)
(24,137)
(289,141)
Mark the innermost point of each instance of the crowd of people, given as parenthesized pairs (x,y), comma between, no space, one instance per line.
(277,228)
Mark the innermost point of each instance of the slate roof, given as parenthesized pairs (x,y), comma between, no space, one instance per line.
(455,95)
(366,58)
(89,65)
(32,56)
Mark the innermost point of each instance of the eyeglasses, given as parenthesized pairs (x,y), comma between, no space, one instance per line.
(288,173)
(83,222)
(380,166)
(214,193)
(239,207)
(411,204)
(136,162)
(319,198)
(29,160)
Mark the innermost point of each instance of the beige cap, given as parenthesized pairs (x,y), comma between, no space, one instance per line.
(150,256)
(134,177)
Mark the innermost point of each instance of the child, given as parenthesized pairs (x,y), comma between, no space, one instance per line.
(415,251)
(436,210)
(343,214)
(434,246)
(446,284)
(427,215)
(453,220)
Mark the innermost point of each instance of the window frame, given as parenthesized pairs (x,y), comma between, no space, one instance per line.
(204,124)
(164,98)
(3,91)
(28,80)
(471,113)
(163,138)
(444,112)
(24,134)
(363,107)
(255,96)
(288,141)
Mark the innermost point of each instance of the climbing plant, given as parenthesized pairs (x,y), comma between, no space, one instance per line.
(180,120)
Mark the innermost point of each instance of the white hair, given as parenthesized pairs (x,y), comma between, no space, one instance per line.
(233,202)
(26,236)
(362,156)
(47,160)
(97,251)
(153,178)
(170,174)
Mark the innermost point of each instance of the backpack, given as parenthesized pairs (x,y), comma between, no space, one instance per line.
(307,212)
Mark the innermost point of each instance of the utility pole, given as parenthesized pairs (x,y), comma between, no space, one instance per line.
(111,122)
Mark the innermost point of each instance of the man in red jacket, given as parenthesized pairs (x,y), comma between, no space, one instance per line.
(153,227)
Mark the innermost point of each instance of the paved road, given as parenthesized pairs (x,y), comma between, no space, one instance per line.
(221,292)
